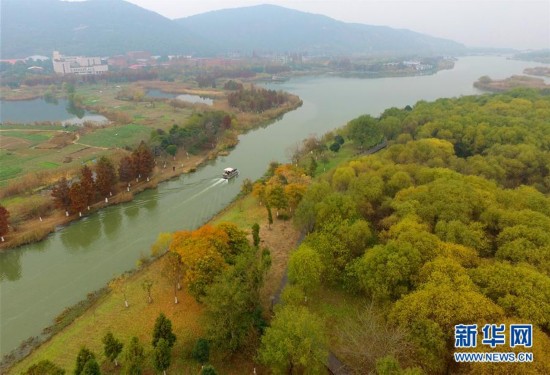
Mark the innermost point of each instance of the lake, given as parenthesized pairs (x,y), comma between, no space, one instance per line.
(29,111)
(38,281)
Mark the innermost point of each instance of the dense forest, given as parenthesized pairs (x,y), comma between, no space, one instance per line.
(449,225)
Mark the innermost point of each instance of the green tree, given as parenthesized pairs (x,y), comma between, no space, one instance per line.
(44,367)
(163,330)
(269,215)
(312,166)
(295,343)
(364,131)
(112,347)
(305,268)
(84,355)
(172,150)
(233,299)
(334,147)
(91,368)
(201,351)
(256,234)
(209,370)
(277,198)
(134,358)
(161,245)
(162,356)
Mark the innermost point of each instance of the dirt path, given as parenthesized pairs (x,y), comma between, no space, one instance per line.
(74,141)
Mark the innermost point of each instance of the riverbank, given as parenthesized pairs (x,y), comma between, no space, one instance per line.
(38,227)
(108,311)
(487,84)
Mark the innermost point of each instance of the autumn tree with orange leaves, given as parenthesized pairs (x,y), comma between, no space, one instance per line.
(205,252)
(106,177)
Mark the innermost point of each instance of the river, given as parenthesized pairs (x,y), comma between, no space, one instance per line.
(38,281)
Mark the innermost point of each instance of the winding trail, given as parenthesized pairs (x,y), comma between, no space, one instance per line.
(74,141)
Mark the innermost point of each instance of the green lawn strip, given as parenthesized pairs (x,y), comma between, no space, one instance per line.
(244,213)
(33,137)
(118,136)
(8,171)
(346,152)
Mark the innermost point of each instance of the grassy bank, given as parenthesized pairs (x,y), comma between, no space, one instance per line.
(109,313)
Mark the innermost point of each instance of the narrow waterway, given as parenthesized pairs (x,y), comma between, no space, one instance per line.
(38,281)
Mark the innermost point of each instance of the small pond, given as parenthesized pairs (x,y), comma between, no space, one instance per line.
(183,97)
(29,111)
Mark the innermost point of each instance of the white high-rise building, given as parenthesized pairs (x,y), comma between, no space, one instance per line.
(77,64)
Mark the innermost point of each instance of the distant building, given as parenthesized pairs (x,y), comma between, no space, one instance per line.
(77,64)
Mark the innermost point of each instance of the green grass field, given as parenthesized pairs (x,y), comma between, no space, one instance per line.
(118,136)
(33,137)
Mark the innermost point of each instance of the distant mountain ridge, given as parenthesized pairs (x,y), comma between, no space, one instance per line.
(98,27)
(277,29)
(110,27)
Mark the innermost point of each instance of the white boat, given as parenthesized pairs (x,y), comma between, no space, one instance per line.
(230,173)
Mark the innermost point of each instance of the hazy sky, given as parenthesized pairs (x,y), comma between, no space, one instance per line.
(521,24)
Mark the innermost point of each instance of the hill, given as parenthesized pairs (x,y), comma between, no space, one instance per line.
(110,27)
(270,28)
(98,27)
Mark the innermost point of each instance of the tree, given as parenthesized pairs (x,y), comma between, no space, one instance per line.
(161,245)
(60,194)
(201,351)
(84,355)
(364,131)
(233,299)
(305,268)
(269,215)
(147,285)
(247,186)
(134,358)
(334,147)
(144,160)
(79,199)
(91,368)
(172,150)
(173,271)
(295,343)
(106,177)
(312,166)
(118,284)
(4,223)
(44,367)
(112,347)
(208,370)
(256,234)
(277,198)
(162,356)
(127,169)
(87,184)
(163,330)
